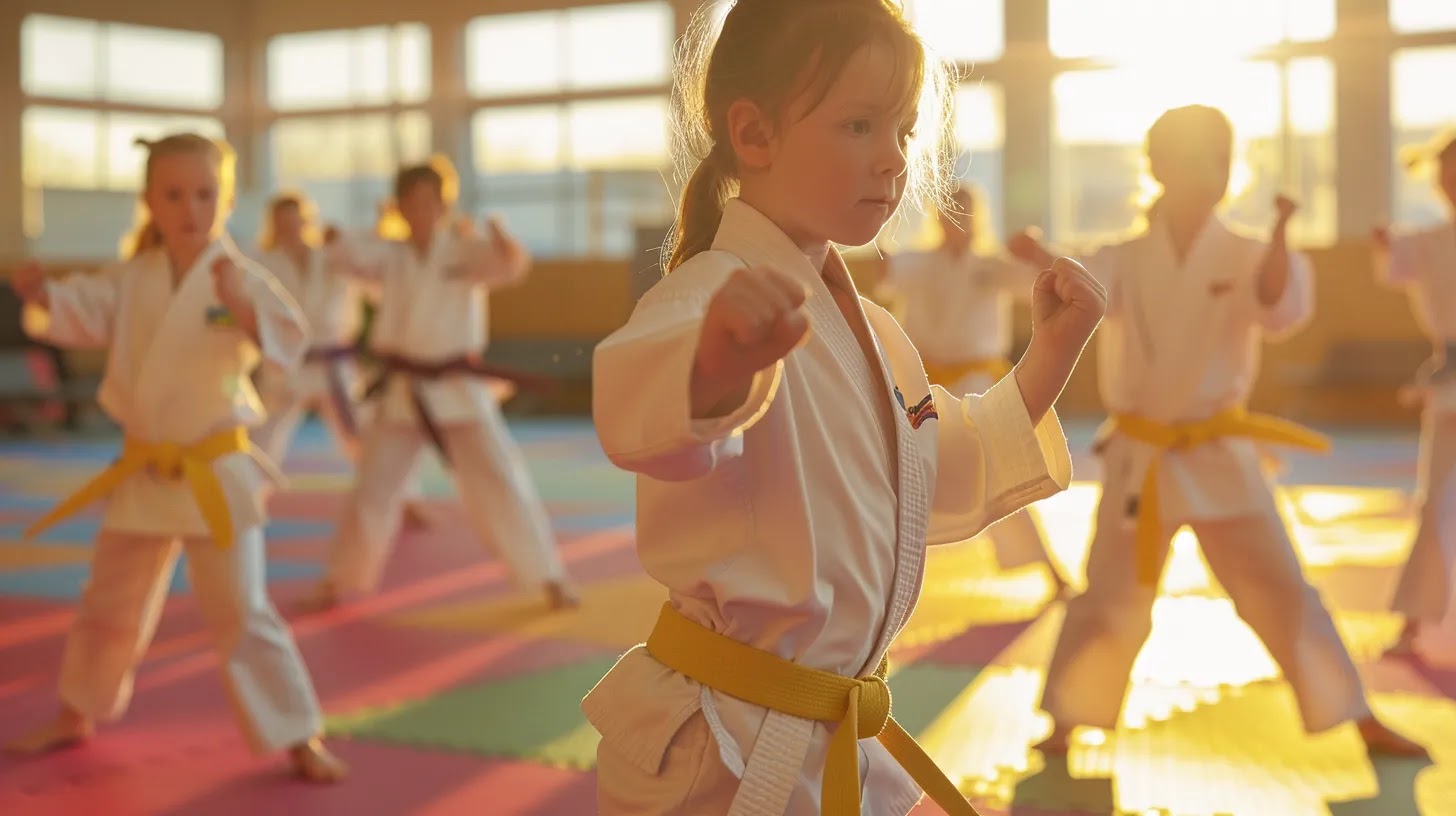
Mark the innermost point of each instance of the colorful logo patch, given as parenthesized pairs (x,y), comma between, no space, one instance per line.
(220,316)
(923,410)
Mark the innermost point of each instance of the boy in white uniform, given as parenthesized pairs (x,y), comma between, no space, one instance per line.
(1190,301)
(428,334)
(1424,262)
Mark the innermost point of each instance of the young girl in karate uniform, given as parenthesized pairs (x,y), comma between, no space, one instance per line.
(1191,300)
(793,460)
(185,320)
(329,381)
(957,308)
(428,334)
(1424,262)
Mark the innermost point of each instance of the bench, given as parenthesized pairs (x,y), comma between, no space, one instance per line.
(567,360)
(1363,364)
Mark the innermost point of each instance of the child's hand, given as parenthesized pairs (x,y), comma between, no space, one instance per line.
(228,283)
(1284,209)
(752,322)
(1380,237)
(1067,303)
(29,282)
(1026,245)
(463,227)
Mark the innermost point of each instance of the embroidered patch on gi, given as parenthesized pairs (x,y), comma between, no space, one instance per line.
(923,410)
(219,316)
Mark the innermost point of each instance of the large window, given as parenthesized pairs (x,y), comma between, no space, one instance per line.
(1231,54)
(349,114)
(1422,106)
(1156,30)
(76,73)
(1411,16)
(971,31)
(570,136)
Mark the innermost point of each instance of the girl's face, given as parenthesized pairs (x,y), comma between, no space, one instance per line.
(837,173)
(422,207)
(288,224)
(183,196)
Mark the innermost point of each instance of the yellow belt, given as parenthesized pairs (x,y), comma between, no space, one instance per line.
(948,374)
(861,706)
(192,463)
(1233,422)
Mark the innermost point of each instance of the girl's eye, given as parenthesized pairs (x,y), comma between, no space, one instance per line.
(859,127)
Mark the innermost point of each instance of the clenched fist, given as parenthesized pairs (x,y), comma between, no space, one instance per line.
(752,322)
(1067,303)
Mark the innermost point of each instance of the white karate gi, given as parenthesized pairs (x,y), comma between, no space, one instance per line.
(797,524)
(175,375)
(1181,343)
(1425,263)
(959,309)
(434,309)
(333,306)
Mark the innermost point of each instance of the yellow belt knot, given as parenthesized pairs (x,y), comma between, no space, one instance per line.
(1149,543)
(859,706)
(167,460)
(872,697)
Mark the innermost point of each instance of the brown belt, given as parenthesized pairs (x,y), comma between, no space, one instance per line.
(419,371)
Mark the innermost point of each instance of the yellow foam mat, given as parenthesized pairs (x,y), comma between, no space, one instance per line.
(617,613)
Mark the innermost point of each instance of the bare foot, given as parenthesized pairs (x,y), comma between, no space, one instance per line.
(1057,743)
(314,763)
(323,597)
(70,727)
(561,595)
(1379,739)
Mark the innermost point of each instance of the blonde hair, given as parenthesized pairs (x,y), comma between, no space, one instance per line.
(775,52)
(1437,150)
(267,235)
(145,235)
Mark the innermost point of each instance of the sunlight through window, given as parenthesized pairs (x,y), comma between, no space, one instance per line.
(338,69)
(960,30)
(1422,106)
(550,52)
(1410,16)
(1182,30)
(1283,122)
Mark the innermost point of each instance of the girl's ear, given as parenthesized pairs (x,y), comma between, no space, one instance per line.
(751,135)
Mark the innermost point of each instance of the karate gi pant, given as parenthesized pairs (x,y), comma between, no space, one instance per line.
(286,413)
(262,669)
(1254,560)
(500,501)
(1425,588)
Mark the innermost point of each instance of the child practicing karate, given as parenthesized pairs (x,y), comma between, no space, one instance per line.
(1424,262)
(793,460)
(328,382)
(1190,301)
(957,302)
(184,320)
(428,334)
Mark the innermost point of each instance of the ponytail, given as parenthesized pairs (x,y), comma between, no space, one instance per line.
(145,237)
(701,210)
